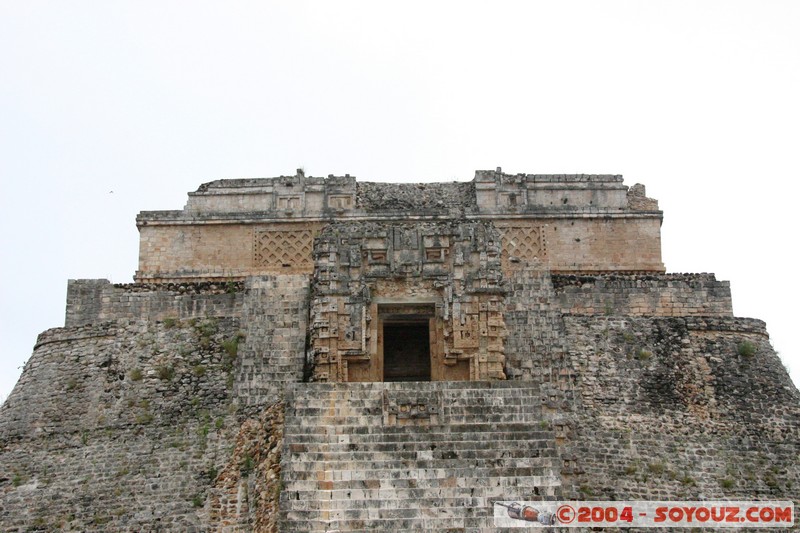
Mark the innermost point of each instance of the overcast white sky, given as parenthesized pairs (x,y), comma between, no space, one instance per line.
(698,100)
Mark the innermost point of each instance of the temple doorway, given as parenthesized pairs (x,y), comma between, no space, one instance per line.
(406,350)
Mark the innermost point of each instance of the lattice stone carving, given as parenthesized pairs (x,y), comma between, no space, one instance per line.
(281,249)
(523,242)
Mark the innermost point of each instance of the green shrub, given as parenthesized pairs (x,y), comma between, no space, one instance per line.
(643,355)
(136,374)
(231,345)
(170,322)
(726,483)
(247,465)
(199,371)
(656,468)
(144,418)
(746,349)
(207,328)
(165,372)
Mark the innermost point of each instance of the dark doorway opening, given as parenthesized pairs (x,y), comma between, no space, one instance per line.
(406,351)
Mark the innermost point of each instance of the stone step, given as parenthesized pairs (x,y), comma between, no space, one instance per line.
(322,423)
(270,366)
(466,453)
(315,393)
(525,488)
(327,401)
(441,524)
(399,472)
(317,398)
(454,488)
(483,454)
(449,448)
(393,507)
(528,485)
(410,426)
(349,412)
(427,459)
(537,429)
(408,513)
(442,441)
(416,386)
(372,509)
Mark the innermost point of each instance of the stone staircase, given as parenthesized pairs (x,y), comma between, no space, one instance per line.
(412,456)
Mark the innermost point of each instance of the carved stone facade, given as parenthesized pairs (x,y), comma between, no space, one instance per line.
(446,276)
(420,268)
(232,229)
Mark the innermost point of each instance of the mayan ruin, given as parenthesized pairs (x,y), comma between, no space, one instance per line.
(306,353)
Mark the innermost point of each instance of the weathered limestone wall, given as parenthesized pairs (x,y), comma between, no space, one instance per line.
(589,244)
(90,301)
(296,195)
(497,191)
(538,303)
(536,339)
(275,325)
(273,310)
(650,407)
(194,251)
(489,192)
(678,408)
(123,426)
(599,244)
(180,251)
(156,408)
(639,295)
(453,198)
